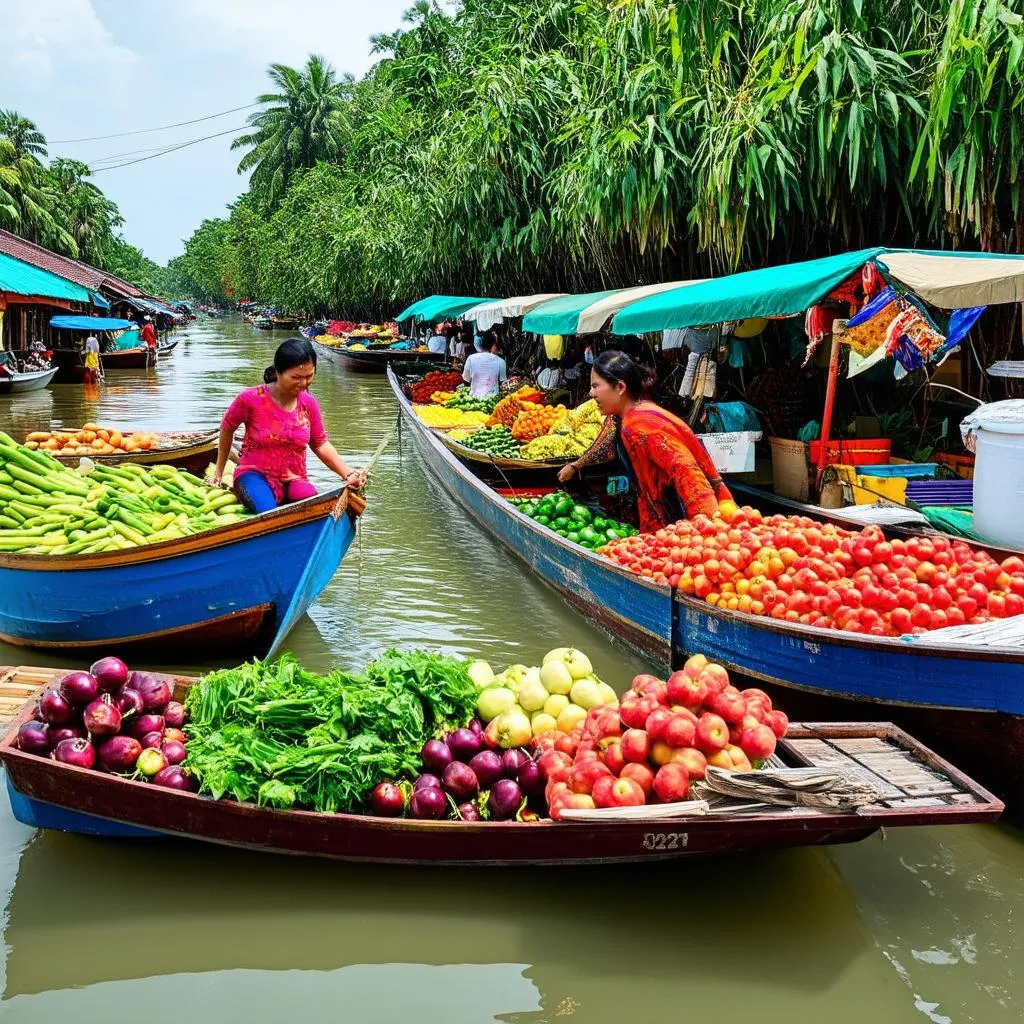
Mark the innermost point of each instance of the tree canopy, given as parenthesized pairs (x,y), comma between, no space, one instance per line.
(504,146)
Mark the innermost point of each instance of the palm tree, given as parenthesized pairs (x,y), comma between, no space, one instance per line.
(88,215)
(297,127)
(23,134)
(27,198)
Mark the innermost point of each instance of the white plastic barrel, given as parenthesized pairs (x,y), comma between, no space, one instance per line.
(999,480)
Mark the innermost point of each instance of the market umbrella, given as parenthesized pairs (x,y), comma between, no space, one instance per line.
(588,313)
(495,311)
(438,307)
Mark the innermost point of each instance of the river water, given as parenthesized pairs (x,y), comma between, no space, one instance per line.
(921,925)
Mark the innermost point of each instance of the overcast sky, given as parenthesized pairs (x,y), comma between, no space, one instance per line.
(83,68)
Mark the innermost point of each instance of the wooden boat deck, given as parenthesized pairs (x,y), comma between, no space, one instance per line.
(21,684)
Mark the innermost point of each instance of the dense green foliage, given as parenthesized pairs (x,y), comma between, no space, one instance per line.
(504,146)
(57,205)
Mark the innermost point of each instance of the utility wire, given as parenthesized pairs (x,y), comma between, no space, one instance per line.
(165,151)
(144,131)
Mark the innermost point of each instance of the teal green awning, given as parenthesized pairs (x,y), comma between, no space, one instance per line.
(562,315)
(771,291)
(438,307)
(24,279)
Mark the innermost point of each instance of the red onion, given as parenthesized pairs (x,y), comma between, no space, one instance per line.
(118,753)
(469,812)
(174,777)
(487,767)
(464,744)
(476,726)
(387,800)
(174,714)
(429,803)
(151,740)
(153,689)
(530,780)
(174,752)
(129,701)
(111,673)
(427,781)
(37,713)
(436,756)
(151,761)
(174,734)
(34,738)
(101,718)
(512,761)
(142,724)
(55,707)
(80,753)
(460,780)
(505,800)
(66,732)
(79,688)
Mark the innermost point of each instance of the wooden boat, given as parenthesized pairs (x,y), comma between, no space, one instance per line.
(284,323)
(32,380)
(140,358)
(370,360)
(193,451)
(166,348)
(243,585)
(967,698)
(264,323)
(918,788)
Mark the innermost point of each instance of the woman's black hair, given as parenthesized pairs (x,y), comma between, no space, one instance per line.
(488,340)
(290,353)
(615,366)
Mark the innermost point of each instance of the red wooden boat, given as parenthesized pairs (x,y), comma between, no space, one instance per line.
(140,358)
(918,788)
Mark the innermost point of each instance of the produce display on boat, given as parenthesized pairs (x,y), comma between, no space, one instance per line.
(92,440)
(50,509)
(818,574)
(415,734)
(423,390)
(573,520)
(112,720)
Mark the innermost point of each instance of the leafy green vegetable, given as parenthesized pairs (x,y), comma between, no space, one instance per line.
(277,735)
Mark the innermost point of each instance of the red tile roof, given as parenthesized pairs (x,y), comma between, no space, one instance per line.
(64,266)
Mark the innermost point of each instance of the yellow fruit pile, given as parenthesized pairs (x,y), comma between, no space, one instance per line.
(91,440)
(553,446)
(440,418)
(536,421)
(440,397)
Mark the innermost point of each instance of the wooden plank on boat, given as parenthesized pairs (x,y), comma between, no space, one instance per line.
(19,685)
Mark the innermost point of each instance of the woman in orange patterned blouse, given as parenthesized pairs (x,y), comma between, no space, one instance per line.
(673,474)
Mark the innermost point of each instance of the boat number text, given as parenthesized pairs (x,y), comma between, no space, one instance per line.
(665,840)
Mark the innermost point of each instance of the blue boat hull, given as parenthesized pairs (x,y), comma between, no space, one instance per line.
(633,609)
(248,591)
(60,819)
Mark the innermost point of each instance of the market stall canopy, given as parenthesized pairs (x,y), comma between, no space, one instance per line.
(20,278)
(495,311)
(90,323)
(438,307)
(588,313)
(772,291)
(953,280)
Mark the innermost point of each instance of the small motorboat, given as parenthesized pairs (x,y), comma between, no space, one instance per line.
(30,380)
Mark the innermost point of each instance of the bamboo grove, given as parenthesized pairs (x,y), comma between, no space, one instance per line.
(505,146)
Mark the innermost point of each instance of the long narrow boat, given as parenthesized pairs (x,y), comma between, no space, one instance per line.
(30,380)
(976,693)
(370,360)
(191,450)
(916,786)
(140,358)
(241,586)
(166,348)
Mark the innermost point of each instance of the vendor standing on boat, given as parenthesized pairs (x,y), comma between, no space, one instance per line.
(149,333)
(281,420)
(485,371)
(673,475)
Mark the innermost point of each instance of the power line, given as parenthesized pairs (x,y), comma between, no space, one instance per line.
(144,131)
(165,151)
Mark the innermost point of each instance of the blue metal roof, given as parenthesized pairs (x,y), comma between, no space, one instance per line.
(22,278)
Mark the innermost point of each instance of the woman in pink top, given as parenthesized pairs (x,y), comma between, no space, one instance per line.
(281,420)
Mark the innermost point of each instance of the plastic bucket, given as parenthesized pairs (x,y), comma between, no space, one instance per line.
(999,482)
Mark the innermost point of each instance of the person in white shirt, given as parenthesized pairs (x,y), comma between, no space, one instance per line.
(485,370)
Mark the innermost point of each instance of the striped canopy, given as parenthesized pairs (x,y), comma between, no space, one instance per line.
(588,313)
(438,307)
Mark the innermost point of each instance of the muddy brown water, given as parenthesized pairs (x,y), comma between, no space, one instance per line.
(919,925)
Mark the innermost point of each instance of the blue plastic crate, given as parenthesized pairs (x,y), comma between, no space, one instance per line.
(910,470)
